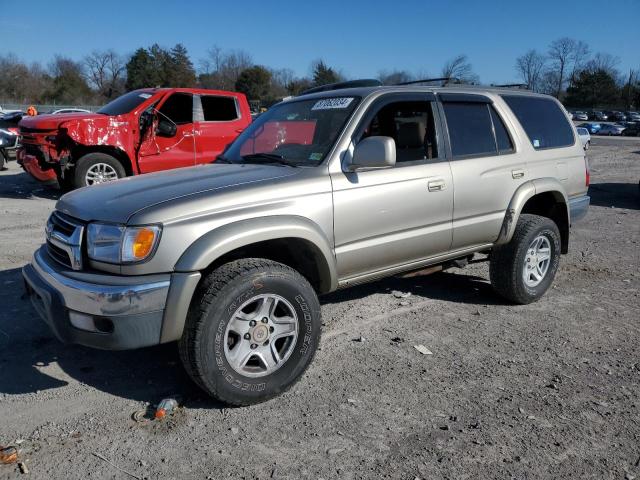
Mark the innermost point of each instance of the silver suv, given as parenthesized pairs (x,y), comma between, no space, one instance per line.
(322,192)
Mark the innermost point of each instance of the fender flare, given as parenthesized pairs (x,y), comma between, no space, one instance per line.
(216,243)
(522,194)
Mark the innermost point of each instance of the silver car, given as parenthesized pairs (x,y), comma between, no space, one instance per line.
(585,137)
(321,192)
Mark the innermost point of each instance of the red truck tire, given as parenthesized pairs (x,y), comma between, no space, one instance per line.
(96,168)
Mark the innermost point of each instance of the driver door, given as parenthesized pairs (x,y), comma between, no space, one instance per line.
(165,152)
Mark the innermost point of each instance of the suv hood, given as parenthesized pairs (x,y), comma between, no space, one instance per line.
(118,201)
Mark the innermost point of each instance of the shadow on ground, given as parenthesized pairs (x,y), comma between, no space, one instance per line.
(619,195)
(19,185)
(27,346)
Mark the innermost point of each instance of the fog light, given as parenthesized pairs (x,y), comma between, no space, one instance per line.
(82,321)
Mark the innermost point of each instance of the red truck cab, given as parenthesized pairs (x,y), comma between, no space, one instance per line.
(142,131)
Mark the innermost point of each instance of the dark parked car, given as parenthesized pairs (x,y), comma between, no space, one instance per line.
(633,116)
(599,116)
(616,116)
(632,130)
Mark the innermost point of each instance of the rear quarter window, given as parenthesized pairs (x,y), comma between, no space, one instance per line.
(543,121)
(219,109)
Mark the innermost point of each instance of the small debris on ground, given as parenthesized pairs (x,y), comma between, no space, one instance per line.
(399,294)
(423,350)
(334,451)
(397,340)
(23,468)
(8,455)
(359,339)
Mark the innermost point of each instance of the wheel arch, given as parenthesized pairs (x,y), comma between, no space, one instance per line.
(81,150)
(544,197)
(292,240)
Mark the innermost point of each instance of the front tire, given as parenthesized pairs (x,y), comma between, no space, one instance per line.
(523,269)
(96,168)
(251,332)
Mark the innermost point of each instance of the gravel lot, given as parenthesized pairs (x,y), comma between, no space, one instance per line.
(548,390)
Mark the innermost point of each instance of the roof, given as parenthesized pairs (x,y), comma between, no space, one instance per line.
(366,91)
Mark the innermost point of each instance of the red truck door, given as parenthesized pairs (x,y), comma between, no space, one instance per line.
(165,152)
(219,120)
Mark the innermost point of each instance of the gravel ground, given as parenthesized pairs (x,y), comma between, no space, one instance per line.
(548,390)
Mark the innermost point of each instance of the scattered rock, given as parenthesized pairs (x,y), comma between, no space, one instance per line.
(444,427)
(399,294)
(397,339)
(353,401)
(358,339)
(423,350)
(23,468)
(234,430)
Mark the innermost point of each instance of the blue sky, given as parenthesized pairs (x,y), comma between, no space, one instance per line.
(360,38)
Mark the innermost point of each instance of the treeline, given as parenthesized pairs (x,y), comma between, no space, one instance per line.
(567,70)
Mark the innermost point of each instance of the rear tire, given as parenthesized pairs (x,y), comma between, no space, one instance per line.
(517,269)
(228,313)
(96,168)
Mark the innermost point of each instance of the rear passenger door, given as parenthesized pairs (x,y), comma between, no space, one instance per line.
(394,217)
(485,167)
(218,123)
(162,153)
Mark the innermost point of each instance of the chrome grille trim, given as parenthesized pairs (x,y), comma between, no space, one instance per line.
(64,240)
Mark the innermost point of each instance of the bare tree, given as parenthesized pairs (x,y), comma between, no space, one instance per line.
(604,61)
(105,72)
(459,67)
(530,67)
(221,69)
(561,53)
(578,59)
(394,77)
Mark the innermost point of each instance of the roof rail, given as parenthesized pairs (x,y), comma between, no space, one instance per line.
(366,82)
(523,86)
(444,80)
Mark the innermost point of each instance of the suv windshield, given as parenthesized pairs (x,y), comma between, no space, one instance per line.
(125,103)
(293,133)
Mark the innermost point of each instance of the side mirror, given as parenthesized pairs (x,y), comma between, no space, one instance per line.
(166,128)
(373,153)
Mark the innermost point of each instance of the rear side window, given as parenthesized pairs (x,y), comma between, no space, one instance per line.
(178,108)
(503,140)
(470,129)
(542,120)
(219,109)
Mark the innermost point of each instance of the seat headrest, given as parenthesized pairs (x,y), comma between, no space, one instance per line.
(411,135)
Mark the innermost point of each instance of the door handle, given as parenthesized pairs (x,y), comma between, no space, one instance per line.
(517,173)
(436,185)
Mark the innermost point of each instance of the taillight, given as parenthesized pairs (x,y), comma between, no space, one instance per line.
(587,172)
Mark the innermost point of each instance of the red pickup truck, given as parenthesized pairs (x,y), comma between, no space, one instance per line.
(142,131)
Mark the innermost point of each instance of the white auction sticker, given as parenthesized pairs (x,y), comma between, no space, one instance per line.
(329,103)
(145,95)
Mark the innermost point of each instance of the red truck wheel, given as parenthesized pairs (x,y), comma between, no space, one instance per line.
(96,168)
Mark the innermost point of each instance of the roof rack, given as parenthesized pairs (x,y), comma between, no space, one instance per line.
(366,82)
(444,80)
(523,86)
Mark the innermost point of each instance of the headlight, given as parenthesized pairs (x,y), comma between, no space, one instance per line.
(119,244)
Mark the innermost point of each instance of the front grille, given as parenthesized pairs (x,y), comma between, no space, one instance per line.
(64,240)
(58,254)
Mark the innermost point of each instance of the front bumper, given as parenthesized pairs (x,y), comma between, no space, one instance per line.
(32,166)
(97,310)
(578,207)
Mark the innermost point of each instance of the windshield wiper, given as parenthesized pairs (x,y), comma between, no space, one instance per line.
(268,158)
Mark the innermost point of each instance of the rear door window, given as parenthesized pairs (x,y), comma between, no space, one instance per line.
(470,129)
(178,108)
(219,109)
(543,121)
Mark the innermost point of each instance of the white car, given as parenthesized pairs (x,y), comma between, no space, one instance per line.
(70,110)
(585,137)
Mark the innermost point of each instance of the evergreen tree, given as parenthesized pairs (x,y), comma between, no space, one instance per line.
(255,83)
(141,71)
(592,89)
(182,73)
(323,74)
